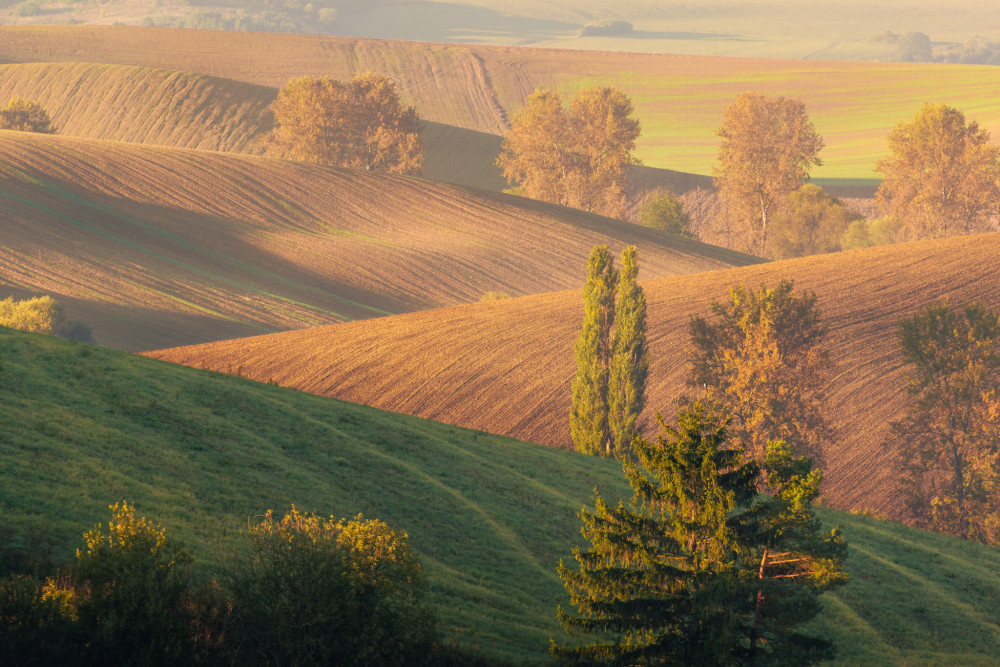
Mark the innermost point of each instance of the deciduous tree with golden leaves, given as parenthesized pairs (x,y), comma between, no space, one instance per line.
(577,157)
(360,124)
(768,146)
(942,175)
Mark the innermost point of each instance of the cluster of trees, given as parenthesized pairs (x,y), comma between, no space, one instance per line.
(718,558)
(941,177)
(304,590)
(577,157)
(44,315)
(25,116)
(612,358)
(360,124)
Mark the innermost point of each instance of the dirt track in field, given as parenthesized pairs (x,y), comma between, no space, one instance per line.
(506,367)
(159,246)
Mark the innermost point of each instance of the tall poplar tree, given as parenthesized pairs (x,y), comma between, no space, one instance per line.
(629,358)
(588,417)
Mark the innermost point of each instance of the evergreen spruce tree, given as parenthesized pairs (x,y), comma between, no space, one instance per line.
(699,568)
(589,412)
(629,358)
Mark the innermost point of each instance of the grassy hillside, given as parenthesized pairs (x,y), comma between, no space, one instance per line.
(679,99)
(490,517)
(506,367)
(155,247)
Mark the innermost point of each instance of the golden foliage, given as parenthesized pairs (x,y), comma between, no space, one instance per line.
(942,176)
(25,116)
(576,158)
(360,124)
(768,146)
(39,315)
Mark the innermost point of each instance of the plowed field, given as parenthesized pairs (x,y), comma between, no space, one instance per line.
(506,367)
(159,246)
(678,99)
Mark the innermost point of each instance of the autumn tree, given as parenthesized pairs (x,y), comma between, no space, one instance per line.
(949,440)
(942,175)
(577,157)
(699,569)
(360,124)
(768,147)
(762,357)
(25,116)
(611,357)
(868,233)
(811,223)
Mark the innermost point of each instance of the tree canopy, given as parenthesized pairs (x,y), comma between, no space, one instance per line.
(25,116)
(662,211)
(359,124)
(762,357)
(698,568)
(950,438)
(577,157)
(768,146)
(811,223)
(612,359)
(942,175)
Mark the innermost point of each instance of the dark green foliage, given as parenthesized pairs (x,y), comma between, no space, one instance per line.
(136,580)
(664,212)
(37,624)
(698,568)
(588,417)
(950,438)
(811,223)
(629,358)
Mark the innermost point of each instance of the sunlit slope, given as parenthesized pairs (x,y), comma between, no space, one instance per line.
(507,367)
(143,104)
(490,517)
(678,99)
(156,247)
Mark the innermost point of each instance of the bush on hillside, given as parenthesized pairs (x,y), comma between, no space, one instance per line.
(44,315)
(25,116)
(312,590)
(811,223)
(867,233)
(662,211)
(605,28)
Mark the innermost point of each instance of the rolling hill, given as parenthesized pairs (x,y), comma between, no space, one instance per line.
(678,99)
(490,517)
(156,247)
(506,367)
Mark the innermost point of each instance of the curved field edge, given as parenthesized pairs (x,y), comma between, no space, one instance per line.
(489,516)
(678,99)
(155,246)
(507,367)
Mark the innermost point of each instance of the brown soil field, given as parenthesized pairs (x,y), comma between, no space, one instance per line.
(679,99)
(155,246)
(506,367)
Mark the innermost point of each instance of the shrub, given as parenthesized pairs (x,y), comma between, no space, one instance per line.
(312,590)
(662,211)
(811,223)
(138,610)
(606,27)
(42,315)
(26,117)
(37,622)
(867,233)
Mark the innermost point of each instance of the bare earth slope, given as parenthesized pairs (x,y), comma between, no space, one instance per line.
(156,246)
(679,99)
(506,367)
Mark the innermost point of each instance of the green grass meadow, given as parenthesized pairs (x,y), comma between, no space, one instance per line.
(83,427)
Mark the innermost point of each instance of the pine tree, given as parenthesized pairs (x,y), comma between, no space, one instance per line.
(651,583)
(589,412)
(629,358)
(699,568)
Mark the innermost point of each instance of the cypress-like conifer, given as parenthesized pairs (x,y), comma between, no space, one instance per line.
(629,358)
(589,411)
